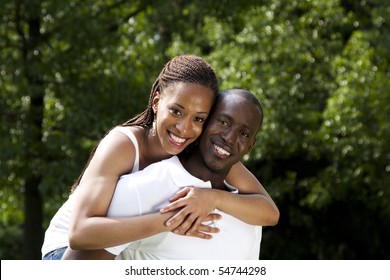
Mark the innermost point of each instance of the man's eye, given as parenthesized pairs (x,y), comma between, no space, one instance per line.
(223,122)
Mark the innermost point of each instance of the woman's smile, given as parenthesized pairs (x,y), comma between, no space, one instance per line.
(176,140)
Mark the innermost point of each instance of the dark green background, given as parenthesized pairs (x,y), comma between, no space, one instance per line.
(71,70)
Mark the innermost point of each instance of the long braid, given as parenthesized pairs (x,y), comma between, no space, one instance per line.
(184,68)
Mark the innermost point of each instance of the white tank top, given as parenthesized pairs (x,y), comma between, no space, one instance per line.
(126,131)
(56,236)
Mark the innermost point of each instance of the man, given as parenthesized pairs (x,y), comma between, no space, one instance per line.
(229,134)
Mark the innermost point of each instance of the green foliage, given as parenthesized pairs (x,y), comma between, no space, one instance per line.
(71,70)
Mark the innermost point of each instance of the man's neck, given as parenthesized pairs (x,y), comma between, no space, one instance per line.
(194,164)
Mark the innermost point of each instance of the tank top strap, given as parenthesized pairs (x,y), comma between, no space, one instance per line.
(126,131)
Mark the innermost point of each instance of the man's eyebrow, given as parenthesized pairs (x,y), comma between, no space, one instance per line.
(227,116)
(230,117)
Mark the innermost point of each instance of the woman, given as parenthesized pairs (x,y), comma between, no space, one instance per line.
(180,101)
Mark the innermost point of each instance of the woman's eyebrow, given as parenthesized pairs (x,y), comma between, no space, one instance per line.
(181,106)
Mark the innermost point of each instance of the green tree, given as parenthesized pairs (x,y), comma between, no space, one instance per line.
(70,70)
(319,68)
(61,63)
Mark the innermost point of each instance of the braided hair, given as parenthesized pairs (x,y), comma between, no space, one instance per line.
(183,68)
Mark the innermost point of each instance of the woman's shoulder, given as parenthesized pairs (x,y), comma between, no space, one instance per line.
(130,131)
(117,150)
(120,139)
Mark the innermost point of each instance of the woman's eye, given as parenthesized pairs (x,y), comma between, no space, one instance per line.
(197,119)
(175,112)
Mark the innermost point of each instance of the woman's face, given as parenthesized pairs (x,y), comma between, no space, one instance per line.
(181,110)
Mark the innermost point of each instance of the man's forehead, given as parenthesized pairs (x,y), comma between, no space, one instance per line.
(237,108)
(232,104)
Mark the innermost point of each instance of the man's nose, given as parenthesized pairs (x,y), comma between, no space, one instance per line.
(230,136)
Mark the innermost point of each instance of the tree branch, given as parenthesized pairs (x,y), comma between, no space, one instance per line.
(114,27)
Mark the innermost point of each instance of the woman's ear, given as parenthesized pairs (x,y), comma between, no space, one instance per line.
(156,99)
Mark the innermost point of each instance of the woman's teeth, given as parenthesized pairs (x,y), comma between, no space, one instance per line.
(177,139)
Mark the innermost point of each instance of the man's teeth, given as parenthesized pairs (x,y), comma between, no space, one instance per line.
(178,139)
(221,150)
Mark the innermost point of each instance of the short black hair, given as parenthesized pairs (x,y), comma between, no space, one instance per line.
(247,95)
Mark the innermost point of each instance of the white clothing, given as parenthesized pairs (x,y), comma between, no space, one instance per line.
(149,190)
(56,235)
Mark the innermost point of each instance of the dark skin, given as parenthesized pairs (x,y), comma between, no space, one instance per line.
(158,221)
(226,139)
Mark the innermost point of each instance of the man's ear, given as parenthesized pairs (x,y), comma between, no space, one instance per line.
(251,145)
(156,99)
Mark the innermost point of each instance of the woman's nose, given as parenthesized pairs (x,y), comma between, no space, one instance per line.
(185,126)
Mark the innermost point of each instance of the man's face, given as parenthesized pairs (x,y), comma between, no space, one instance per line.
(230,133)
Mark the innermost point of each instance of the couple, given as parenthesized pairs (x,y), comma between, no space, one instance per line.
(179,105)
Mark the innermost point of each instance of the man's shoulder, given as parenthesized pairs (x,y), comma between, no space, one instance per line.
(158,168)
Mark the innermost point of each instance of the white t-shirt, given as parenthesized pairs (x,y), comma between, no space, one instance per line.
(57,234)
(149,190)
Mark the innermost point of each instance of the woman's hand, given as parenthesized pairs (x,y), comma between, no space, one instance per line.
(194,207)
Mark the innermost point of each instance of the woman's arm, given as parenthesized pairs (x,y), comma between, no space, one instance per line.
(130,229)
(252,204)
(143,226)
(89,227)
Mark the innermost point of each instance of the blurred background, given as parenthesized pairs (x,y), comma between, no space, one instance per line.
(71,70)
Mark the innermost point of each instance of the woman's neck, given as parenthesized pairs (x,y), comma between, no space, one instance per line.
(150,148)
